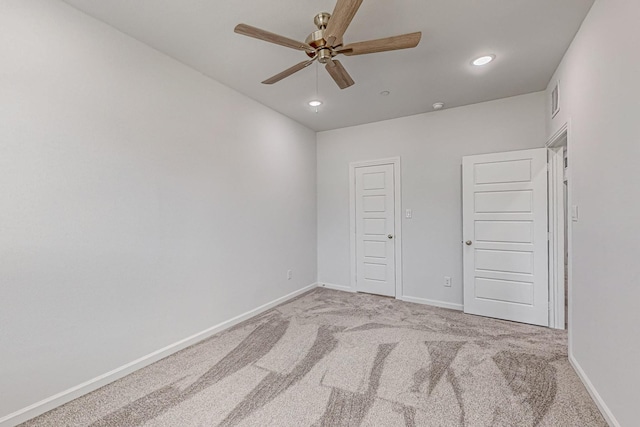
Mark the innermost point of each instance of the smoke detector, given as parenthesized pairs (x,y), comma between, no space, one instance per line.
(438,106)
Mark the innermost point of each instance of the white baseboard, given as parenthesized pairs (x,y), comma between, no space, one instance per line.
(604,409)
(435,303)
(66,396)
(336,287)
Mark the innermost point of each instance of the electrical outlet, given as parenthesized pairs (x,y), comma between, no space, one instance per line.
(289,274)
(447,281)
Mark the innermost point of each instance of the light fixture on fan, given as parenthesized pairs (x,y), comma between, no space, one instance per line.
(483,60)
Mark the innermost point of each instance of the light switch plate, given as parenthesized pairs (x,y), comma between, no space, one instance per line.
(408,214)
(574,213)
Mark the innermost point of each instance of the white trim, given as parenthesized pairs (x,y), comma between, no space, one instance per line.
(68,395)
(556,237)
(434,303)
(397,176)
(604,409)
(557,139)
(423,301)
(342,288)
(352,227)
(559,135)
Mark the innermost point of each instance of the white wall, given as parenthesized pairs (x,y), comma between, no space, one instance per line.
(600,96)
(431,147)
(140,202)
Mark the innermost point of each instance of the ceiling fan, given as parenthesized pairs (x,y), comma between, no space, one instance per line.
(325,43)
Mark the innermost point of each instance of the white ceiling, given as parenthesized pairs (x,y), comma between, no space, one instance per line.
(529,38)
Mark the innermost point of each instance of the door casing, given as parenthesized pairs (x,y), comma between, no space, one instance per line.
(556,237)
(562,137)
(395,161)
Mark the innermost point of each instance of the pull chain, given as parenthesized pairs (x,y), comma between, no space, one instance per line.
(317,84)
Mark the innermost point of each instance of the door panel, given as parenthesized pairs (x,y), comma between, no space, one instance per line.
(505,231)
(504,261)
(374,181)
(503,172)
(374,227)
(505,291)
(375,249)
(503,202)
(375,221)
(373,204)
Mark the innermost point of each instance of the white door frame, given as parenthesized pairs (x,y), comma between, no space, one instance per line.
(556,238)
(395,161)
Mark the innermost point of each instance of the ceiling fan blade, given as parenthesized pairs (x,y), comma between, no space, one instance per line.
(404,41)
(288,72)
(257,33)
(342,15)
(339,74)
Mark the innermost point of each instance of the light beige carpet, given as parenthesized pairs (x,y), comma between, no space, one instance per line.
(330,358)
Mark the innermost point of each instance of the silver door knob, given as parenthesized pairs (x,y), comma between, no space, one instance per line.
(468,242)
(390,236)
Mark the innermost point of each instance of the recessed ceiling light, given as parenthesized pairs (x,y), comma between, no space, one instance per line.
(385,93)
(483,60)
(315,103)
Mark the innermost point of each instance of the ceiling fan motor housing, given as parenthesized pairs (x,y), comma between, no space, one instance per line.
(322,50)
(316,40)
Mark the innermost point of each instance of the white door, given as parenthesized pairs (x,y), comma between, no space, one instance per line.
(505,236)
(375,229)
